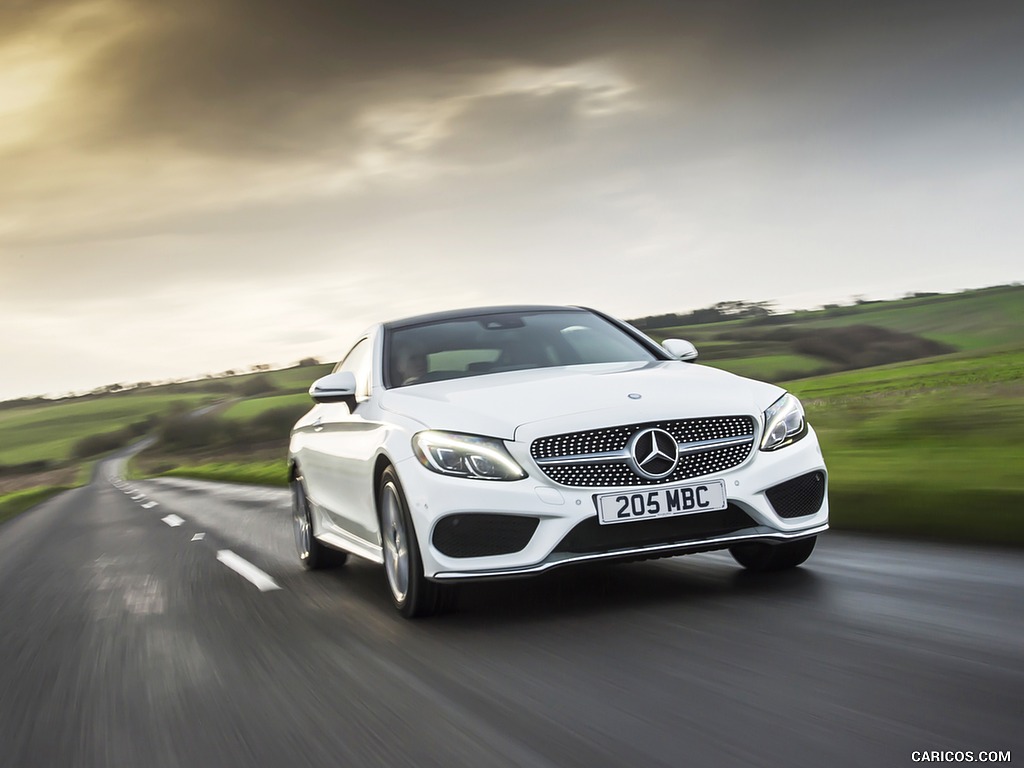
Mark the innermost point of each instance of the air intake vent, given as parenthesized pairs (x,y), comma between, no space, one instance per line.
(798,497)
(483,535)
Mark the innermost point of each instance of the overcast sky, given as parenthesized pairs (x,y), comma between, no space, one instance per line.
(188,186)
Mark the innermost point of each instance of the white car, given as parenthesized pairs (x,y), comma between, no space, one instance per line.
(506,441)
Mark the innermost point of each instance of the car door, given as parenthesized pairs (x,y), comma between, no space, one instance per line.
(339,451)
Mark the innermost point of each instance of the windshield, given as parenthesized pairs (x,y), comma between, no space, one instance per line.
(472,346)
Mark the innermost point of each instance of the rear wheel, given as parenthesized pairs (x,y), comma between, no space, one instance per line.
(412,594)
(312,554)
(773,557)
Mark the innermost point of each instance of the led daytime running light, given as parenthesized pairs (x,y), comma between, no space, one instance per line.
(478,458)
(784,423)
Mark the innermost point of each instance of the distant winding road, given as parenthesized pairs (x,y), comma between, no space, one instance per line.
(167,623)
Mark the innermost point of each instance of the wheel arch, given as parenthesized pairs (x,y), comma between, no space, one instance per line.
(383,462)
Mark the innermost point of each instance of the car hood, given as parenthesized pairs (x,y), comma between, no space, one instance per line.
(521,405)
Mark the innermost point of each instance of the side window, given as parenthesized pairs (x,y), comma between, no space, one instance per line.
(358,362)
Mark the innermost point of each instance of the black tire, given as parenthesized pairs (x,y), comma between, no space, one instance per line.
(312,553)
(773,557)
(411,592)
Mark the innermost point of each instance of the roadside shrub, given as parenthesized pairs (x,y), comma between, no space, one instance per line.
(101,443)
(849,347)
(27,467)
(185,431)
(278,422)
(863,346)
(215,385)
(141,427)
(257,385)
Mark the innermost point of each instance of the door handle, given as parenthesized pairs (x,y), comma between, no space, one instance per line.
(318,424)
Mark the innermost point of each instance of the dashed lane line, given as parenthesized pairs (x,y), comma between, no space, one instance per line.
(262,580)
(247,570)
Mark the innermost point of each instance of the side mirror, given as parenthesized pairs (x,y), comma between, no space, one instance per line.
(680,349)
(335,388)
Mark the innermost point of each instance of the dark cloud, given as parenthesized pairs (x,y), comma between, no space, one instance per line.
(268,77)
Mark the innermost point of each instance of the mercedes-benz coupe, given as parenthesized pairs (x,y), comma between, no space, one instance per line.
(507,441)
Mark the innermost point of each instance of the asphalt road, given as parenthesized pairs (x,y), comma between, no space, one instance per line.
(126,641)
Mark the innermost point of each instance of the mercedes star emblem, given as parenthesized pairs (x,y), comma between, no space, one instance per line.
(653,453)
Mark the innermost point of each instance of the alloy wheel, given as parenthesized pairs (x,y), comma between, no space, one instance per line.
(300,520)
(396,547)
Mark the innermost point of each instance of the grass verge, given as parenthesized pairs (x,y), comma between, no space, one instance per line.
(15,503)
(251,473)
(955,494)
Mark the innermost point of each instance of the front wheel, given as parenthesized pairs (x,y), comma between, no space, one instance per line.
(411,592)
(756,556)
(312,554)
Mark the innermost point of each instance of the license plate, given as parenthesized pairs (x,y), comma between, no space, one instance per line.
(625,507)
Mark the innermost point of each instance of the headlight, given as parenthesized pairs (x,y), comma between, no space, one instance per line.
(480,458)
(784,423)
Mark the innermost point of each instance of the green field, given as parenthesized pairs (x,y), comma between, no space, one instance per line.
(968,321)
(48,432)
(769,367)
(1003,366)
(252,407)
(927,449)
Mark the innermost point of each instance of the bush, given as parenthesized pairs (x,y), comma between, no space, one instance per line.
(216,386)
(185,431)
(27,467)
(863,346)
(111,441)
(278,422)
(256,385)
(855,346)
(188,433)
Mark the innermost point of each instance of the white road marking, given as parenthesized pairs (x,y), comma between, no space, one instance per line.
(138,496)
(247,570)
(199,537)
(173,520)
(149,505)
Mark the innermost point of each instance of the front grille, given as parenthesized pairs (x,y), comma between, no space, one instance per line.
(590,536)
(483,535)
(798,497)
(582,468)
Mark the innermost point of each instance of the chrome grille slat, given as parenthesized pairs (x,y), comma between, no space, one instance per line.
(587,458)
(598,458)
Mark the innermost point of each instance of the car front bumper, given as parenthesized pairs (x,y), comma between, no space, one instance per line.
(559,509)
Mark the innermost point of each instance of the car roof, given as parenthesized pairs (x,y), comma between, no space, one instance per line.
(458,314)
